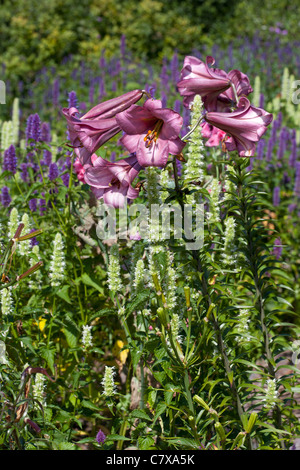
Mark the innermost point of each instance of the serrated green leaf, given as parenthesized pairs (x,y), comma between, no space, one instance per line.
(140,414)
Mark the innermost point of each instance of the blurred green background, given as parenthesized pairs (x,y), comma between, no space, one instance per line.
(39,33)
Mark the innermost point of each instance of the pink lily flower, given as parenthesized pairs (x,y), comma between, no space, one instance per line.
(80,169)
(198,79)
(97,126)
(246,126)
(152,132)
(112,181)
(228,99)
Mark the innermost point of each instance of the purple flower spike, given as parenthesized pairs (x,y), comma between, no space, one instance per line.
(100,438)
(293,155)
(36,128)
(29,127)
(32,204)
(5,197)
(45,132)
(277,250)
(10,160)
(72,100)
(65,179)
(53,171)
(276,196)
(24,172)
(297,180)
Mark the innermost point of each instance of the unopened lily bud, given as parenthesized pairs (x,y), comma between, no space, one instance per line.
(187,293)
(162,316)
(30,271)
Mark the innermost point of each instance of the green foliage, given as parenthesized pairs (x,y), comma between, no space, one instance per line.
(36,33)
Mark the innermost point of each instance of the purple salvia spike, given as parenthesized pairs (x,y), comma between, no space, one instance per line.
(261,100)
(269,150)
(47,158)
(45,132)
(12,159)
(32,204)
(164,99)
(277,250)
(297,179)
(282,143)
(65,179)
(293,155)
(53,171)
(36,127)
(91,94)
(24,172)
(276,196)
(72,99)
(55,92)
(101,89)
(29,127)
(260,149)
(5,197)
(5,161)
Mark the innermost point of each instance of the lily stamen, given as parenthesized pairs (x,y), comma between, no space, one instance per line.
(152,135)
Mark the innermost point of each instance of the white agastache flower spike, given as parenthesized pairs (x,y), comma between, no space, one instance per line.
(58,264)
(271,394)
(153,199)
(175,327)
(6,301)
(229,257)
(114,270)
(38,390)
(285,84)
(153,266)
(242,328)
(109,388)
(170,283)
(196,151)
(24,246)
(6,134)
(214,203)
(229,188)
(13,222)
(256,91)
(87,339)
(139,275)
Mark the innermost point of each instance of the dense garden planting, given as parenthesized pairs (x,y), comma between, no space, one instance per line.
(149,242)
